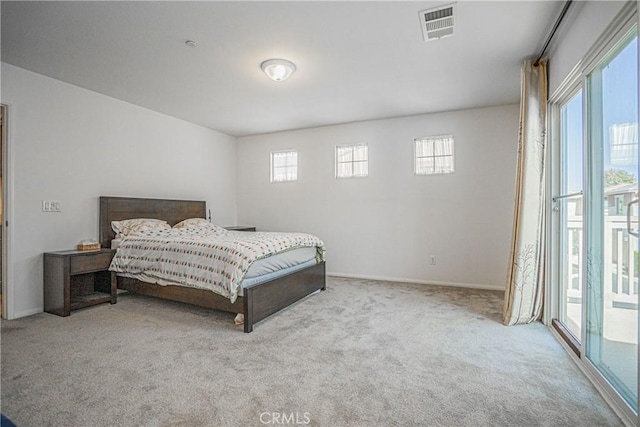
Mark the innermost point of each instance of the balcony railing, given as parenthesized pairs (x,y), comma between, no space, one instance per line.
(620,275)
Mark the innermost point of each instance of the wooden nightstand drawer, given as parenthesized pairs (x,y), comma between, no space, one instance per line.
(90,262)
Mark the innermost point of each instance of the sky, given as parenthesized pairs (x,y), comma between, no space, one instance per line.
(620,105)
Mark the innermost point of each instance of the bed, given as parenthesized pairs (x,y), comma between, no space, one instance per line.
(257,302)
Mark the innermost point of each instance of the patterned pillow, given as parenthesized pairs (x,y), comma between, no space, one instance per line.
(192,223)
(128,226)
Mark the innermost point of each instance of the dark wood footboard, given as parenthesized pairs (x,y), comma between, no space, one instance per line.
(263,300)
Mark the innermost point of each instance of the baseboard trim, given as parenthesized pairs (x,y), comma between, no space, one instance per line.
(420,282)
(26,313)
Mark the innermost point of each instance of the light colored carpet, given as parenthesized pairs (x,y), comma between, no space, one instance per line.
(362,353)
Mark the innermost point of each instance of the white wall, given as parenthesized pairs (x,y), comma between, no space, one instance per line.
(579,32)
(389,224)
(74,145)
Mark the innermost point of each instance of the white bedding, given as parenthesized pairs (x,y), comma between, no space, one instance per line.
(261,271)
(209,257)
(270,264)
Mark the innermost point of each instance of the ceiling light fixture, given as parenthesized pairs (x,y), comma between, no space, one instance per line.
(278,69)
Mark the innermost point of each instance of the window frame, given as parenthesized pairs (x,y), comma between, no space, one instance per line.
(352,162)
(272,166)
(434,138)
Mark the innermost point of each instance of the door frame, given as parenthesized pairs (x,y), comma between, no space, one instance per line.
(573,84)
(610,38)
(8,310)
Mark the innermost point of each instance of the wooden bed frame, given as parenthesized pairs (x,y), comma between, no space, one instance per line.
(257,303)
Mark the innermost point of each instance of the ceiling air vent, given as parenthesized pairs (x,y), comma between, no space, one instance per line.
(438,22)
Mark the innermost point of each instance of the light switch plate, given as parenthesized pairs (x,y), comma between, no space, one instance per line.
(51,206)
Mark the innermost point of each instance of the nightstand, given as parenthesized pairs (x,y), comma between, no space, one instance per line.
(76,279)
(241,228)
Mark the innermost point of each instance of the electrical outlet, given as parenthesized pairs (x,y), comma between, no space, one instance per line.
(51,206)
(433,260)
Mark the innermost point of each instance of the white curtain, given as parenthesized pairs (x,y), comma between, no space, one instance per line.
(525,287)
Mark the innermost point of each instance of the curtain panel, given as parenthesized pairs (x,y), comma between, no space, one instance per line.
(525,286)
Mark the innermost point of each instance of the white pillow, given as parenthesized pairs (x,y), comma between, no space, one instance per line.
(128,226)
(192,223)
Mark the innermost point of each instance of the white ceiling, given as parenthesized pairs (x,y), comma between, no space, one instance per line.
(356,60)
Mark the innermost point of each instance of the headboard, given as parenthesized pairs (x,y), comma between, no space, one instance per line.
(119,208)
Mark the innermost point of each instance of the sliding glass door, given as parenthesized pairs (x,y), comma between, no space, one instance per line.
(594,251)
(612,219)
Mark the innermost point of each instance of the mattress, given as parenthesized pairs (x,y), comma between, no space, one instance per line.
(280,261)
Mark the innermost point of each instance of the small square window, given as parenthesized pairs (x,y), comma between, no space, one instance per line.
(284,166)
(352,161)
(433,155)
